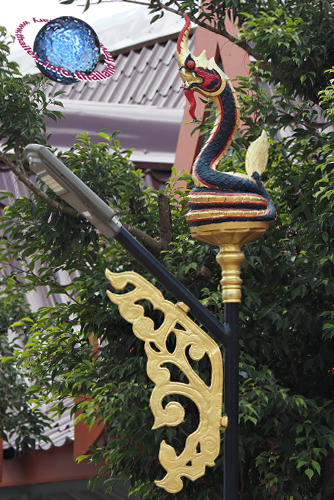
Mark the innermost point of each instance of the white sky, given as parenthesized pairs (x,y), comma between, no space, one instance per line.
(17,11)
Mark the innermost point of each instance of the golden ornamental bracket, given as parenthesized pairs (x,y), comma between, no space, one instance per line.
(202,446)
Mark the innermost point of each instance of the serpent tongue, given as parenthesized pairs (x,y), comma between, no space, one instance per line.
(192,102)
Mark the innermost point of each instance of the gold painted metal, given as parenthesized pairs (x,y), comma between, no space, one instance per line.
(202,446)
(226,233)
(257,155)
(224,198)
(223,212)
(230,259)
(209,213)
(229,236)
(224,421)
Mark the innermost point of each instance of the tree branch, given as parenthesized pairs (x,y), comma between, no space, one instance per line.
(165,221)
(265,64)
(150,242)
(166,233)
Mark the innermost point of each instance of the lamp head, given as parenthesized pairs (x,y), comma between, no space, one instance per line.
(69,187)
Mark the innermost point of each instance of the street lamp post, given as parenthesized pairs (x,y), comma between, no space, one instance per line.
(67,185)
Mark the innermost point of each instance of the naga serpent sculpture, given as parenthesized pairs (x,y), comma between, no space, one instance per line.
(221,196)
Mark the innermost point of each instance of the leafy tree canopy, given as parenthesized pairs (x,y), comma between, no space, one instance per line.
(287,314)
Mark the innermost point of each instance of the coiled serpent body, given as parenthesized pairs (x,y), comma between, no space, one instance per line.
(218,196)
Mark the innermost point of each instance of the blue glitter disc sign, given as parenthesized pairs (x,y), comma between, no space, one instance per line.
(69,43)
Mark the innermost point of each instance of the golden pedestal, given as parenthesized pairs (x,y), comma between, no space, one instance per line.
(229,236)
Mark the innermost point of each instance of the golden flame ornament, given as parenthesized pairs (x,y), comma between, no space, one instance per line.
(202,446)
(257,155)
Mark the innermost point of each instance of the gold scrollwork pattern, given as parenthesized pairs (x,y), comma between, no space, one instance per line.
(202,446)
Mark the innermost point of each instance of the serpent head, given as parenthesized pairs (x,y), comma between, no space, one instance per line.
(198,73)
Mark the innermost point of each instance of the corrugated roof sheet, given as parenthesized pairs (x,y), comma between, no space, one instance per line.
(143,100)
(60,432)
(146,77)
(62,429)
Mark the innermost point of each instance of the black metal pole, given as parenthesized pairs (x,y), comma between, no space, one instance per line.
(146,259)
(231,402)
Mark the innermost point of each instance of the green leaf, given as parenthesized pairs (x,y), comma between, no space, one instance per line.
(316,466)
(81,458)
(7,193)
(309,473)
(155,18)
(87,5)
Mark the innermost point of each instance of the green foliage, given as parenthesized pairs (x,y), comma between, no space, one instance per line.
(286,319)
(294,38)
(16,413)
(284,433)
(59,352)
(327,95)
(23,104)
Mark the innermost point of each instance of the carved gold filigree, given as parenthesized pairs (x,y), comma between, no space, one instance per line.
(202,446)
